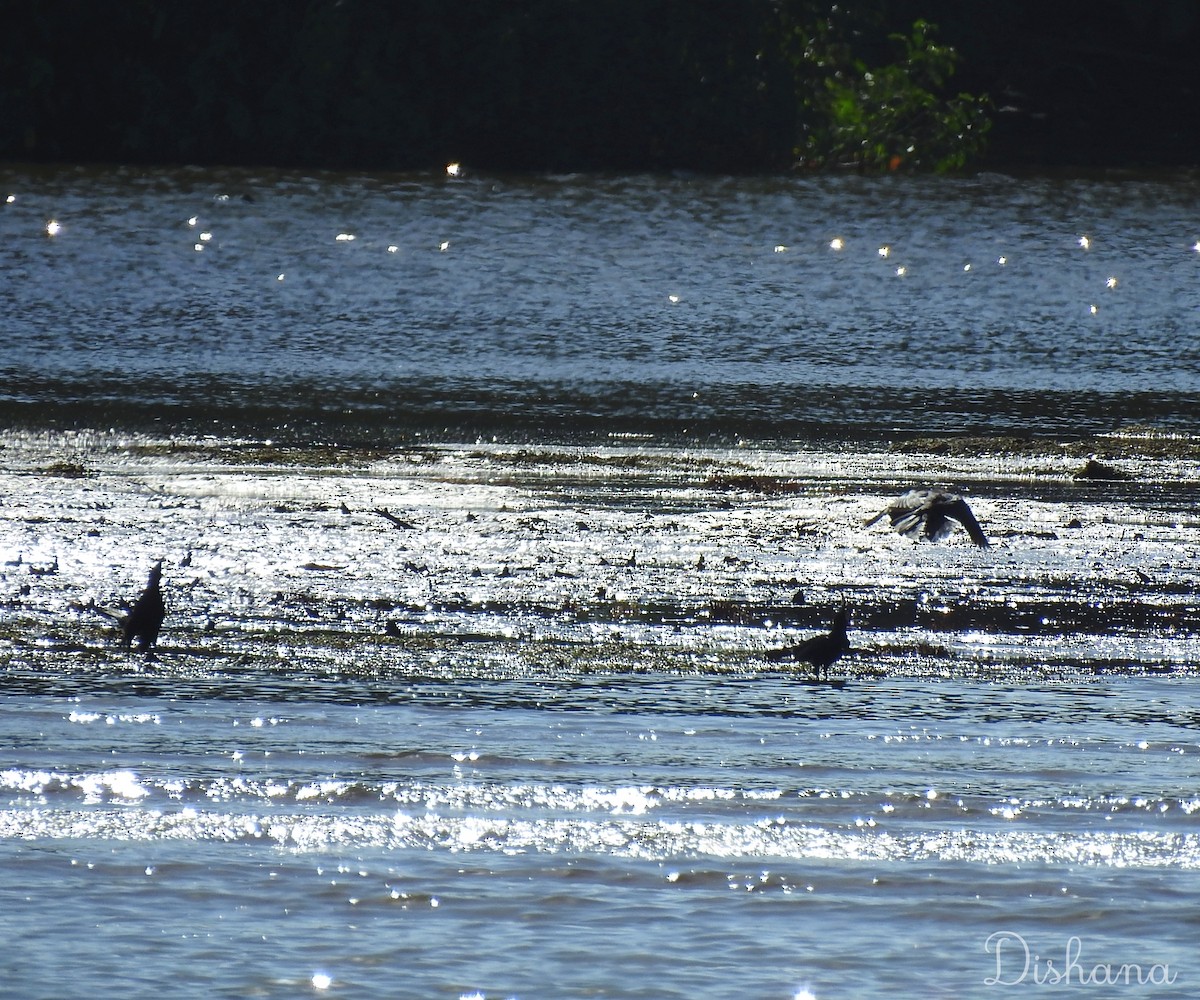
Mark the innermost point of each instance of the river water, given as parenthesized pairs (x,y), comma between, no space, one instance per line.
(480,502)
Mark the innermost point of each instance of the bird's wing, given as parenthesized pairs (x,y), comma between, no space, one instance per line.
(910,523)
(800,651)
(962,513)
(910,520)
(903,506)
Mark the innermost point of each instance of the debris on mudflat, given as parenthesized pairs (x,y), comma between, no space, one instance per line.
(1093,469)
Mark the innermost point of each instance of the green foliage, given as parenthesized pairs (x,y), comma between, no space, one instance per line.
(882,117)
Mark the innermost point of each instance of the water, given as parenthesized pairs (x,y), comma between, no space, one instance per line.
(525,743)
(581,305)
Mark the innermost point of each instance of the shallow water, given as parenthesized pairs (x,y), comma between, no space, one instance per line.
(526,743)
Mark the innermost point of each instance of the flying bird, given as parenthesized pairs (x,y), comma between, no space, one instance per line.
(929,513)
(819,650)
(145,618)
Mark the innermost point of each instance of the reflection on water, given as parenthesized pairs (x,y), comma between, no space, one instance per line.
(526,742)
(767,307)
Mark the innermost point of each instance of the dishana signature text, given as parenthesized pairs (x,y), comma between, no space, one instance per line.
(1016,963)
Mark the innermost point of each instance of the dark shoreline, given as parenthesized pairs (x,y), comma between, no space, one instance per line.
(299,441)
(1124,443)
(959,422)
(722,86)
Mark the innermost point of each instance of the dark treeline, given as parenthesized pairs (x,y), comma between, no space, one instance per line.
(707,85)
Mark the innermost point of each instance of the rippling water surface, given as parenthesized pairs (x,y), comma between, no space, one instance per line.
(766,308)
(521,739)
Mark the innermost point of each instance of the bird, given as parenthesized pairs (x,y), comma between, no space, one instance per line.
(819,650)
(145,618)
(928,512)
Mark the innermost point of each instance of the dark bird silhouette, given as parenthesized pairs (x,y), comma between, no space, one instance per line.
(929,513)
(145,618)
(819,650)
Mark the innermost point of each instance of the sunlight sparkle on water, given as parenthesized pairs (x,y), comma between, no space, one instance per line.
(884,251)
(321,981)
(10,199)
(1085,242)
(1111,283)
(805,994)
(53,228)
(837,243)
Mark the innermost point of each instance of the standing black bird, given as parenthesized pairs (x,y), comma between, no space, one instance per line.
(929,512)
(145,618)
(819,650)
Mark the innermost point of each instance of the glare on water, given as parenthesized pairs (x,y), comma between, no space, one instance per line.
(477,530)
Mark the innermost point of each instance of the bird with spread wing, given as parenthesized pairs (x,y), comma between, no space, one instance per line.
(928,513)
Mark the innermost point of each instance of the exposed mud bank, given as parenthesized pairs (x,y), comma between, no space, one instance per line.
(564,565)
